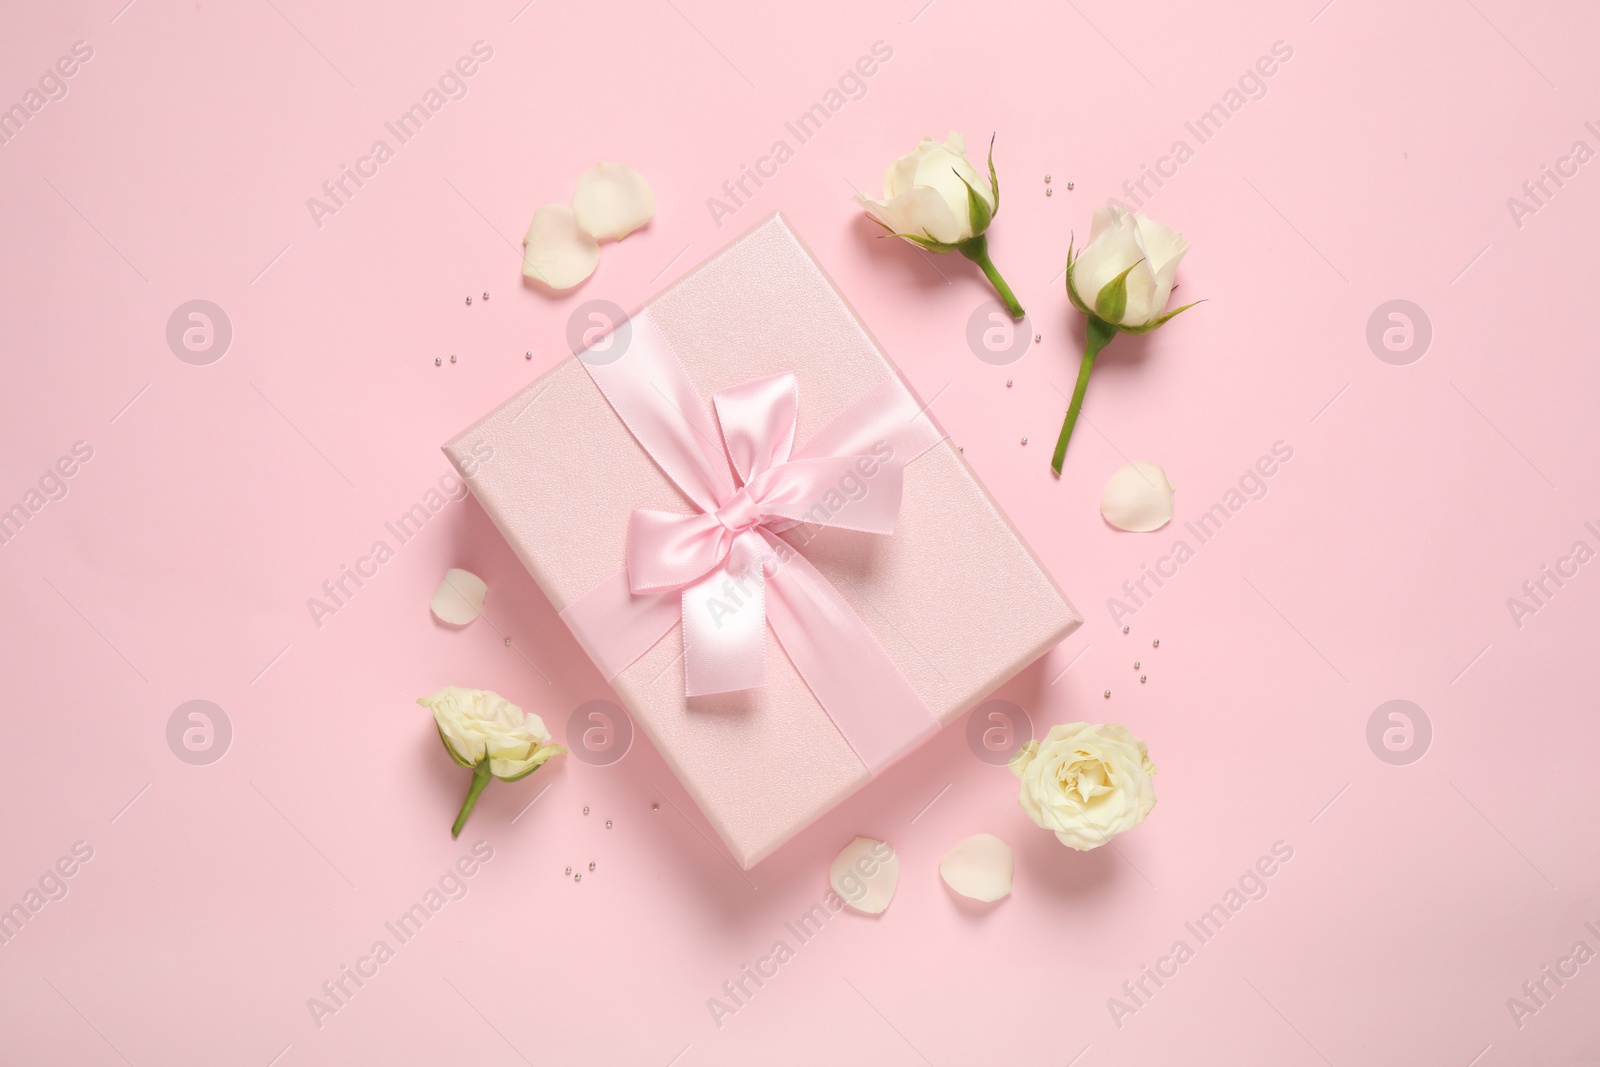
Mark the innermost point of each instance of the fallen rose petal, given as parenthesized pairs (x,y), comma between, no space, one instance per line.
(979,867)
(613,200)
(556,250)
(1138,498)
(865,875)
(459,598)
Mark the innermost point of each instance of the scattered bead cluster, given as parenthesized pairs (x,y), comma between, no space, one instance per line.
(578,877)
(1156,643)
(438,361)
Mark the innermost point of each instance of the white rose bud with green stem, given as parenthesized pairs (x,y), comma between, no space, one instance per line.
(1121,282)
(487,733)
(938,201)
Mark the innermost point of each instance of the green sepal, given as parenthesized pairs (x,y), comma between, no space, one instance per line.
(994,181)
(1112,299)
(1072,290)
(1158,321)
(978,210)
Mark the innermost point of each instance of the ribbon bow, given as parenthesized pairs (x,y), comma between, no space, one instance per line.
(723,572)
(722,556)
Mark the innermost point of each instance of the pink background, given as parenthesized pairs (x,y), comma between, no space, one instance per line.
(1377,567)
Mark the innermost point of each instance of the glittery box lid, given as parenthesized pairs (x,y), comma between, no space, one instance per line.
(954,595)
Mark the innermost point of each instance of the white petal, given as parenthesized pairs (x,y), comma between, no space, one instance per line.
(556,250)
(979,867)
(880,210)
(459,598)
(613,200)
(1161,243)
(1165,248)
(865,875)
(1103,219)
(922,212)
(1138,497)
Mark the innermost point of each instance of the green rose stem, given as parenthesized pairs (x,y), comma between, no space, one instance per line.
(977,250)
(480,779)
(1098,334)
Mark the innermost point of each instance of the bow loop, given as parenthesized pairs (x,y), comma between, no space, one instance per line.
(668,551)
(758,420)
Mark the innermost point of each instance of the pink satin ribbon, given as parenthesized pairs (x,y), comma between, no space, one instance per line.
(722,571)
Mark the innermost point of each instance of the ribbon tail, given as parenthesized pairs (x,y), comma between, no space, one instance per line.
(840,660)
(725,623)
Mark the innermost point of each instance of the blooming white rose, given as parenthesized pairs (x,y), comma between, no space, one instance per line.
(493,736)
(1086,782)
(1120,281)
(937,200)
(1140,250)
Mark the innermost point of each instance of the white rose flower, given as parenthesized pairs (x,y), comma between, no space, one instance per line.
(493,736)
(1086,782)
(937,200)
(1121,282)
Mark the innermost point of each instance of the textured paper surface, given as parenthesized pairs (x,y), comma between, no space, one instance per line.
(954,595)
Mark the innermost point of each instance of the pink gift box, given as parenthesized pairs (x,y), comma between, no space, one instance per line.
(954,595)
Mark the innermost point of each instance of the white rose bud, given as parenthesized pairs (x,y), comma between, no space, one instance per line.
(937,200)
(1121,282)
(1142,252)
(491,735)
(1088,783)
